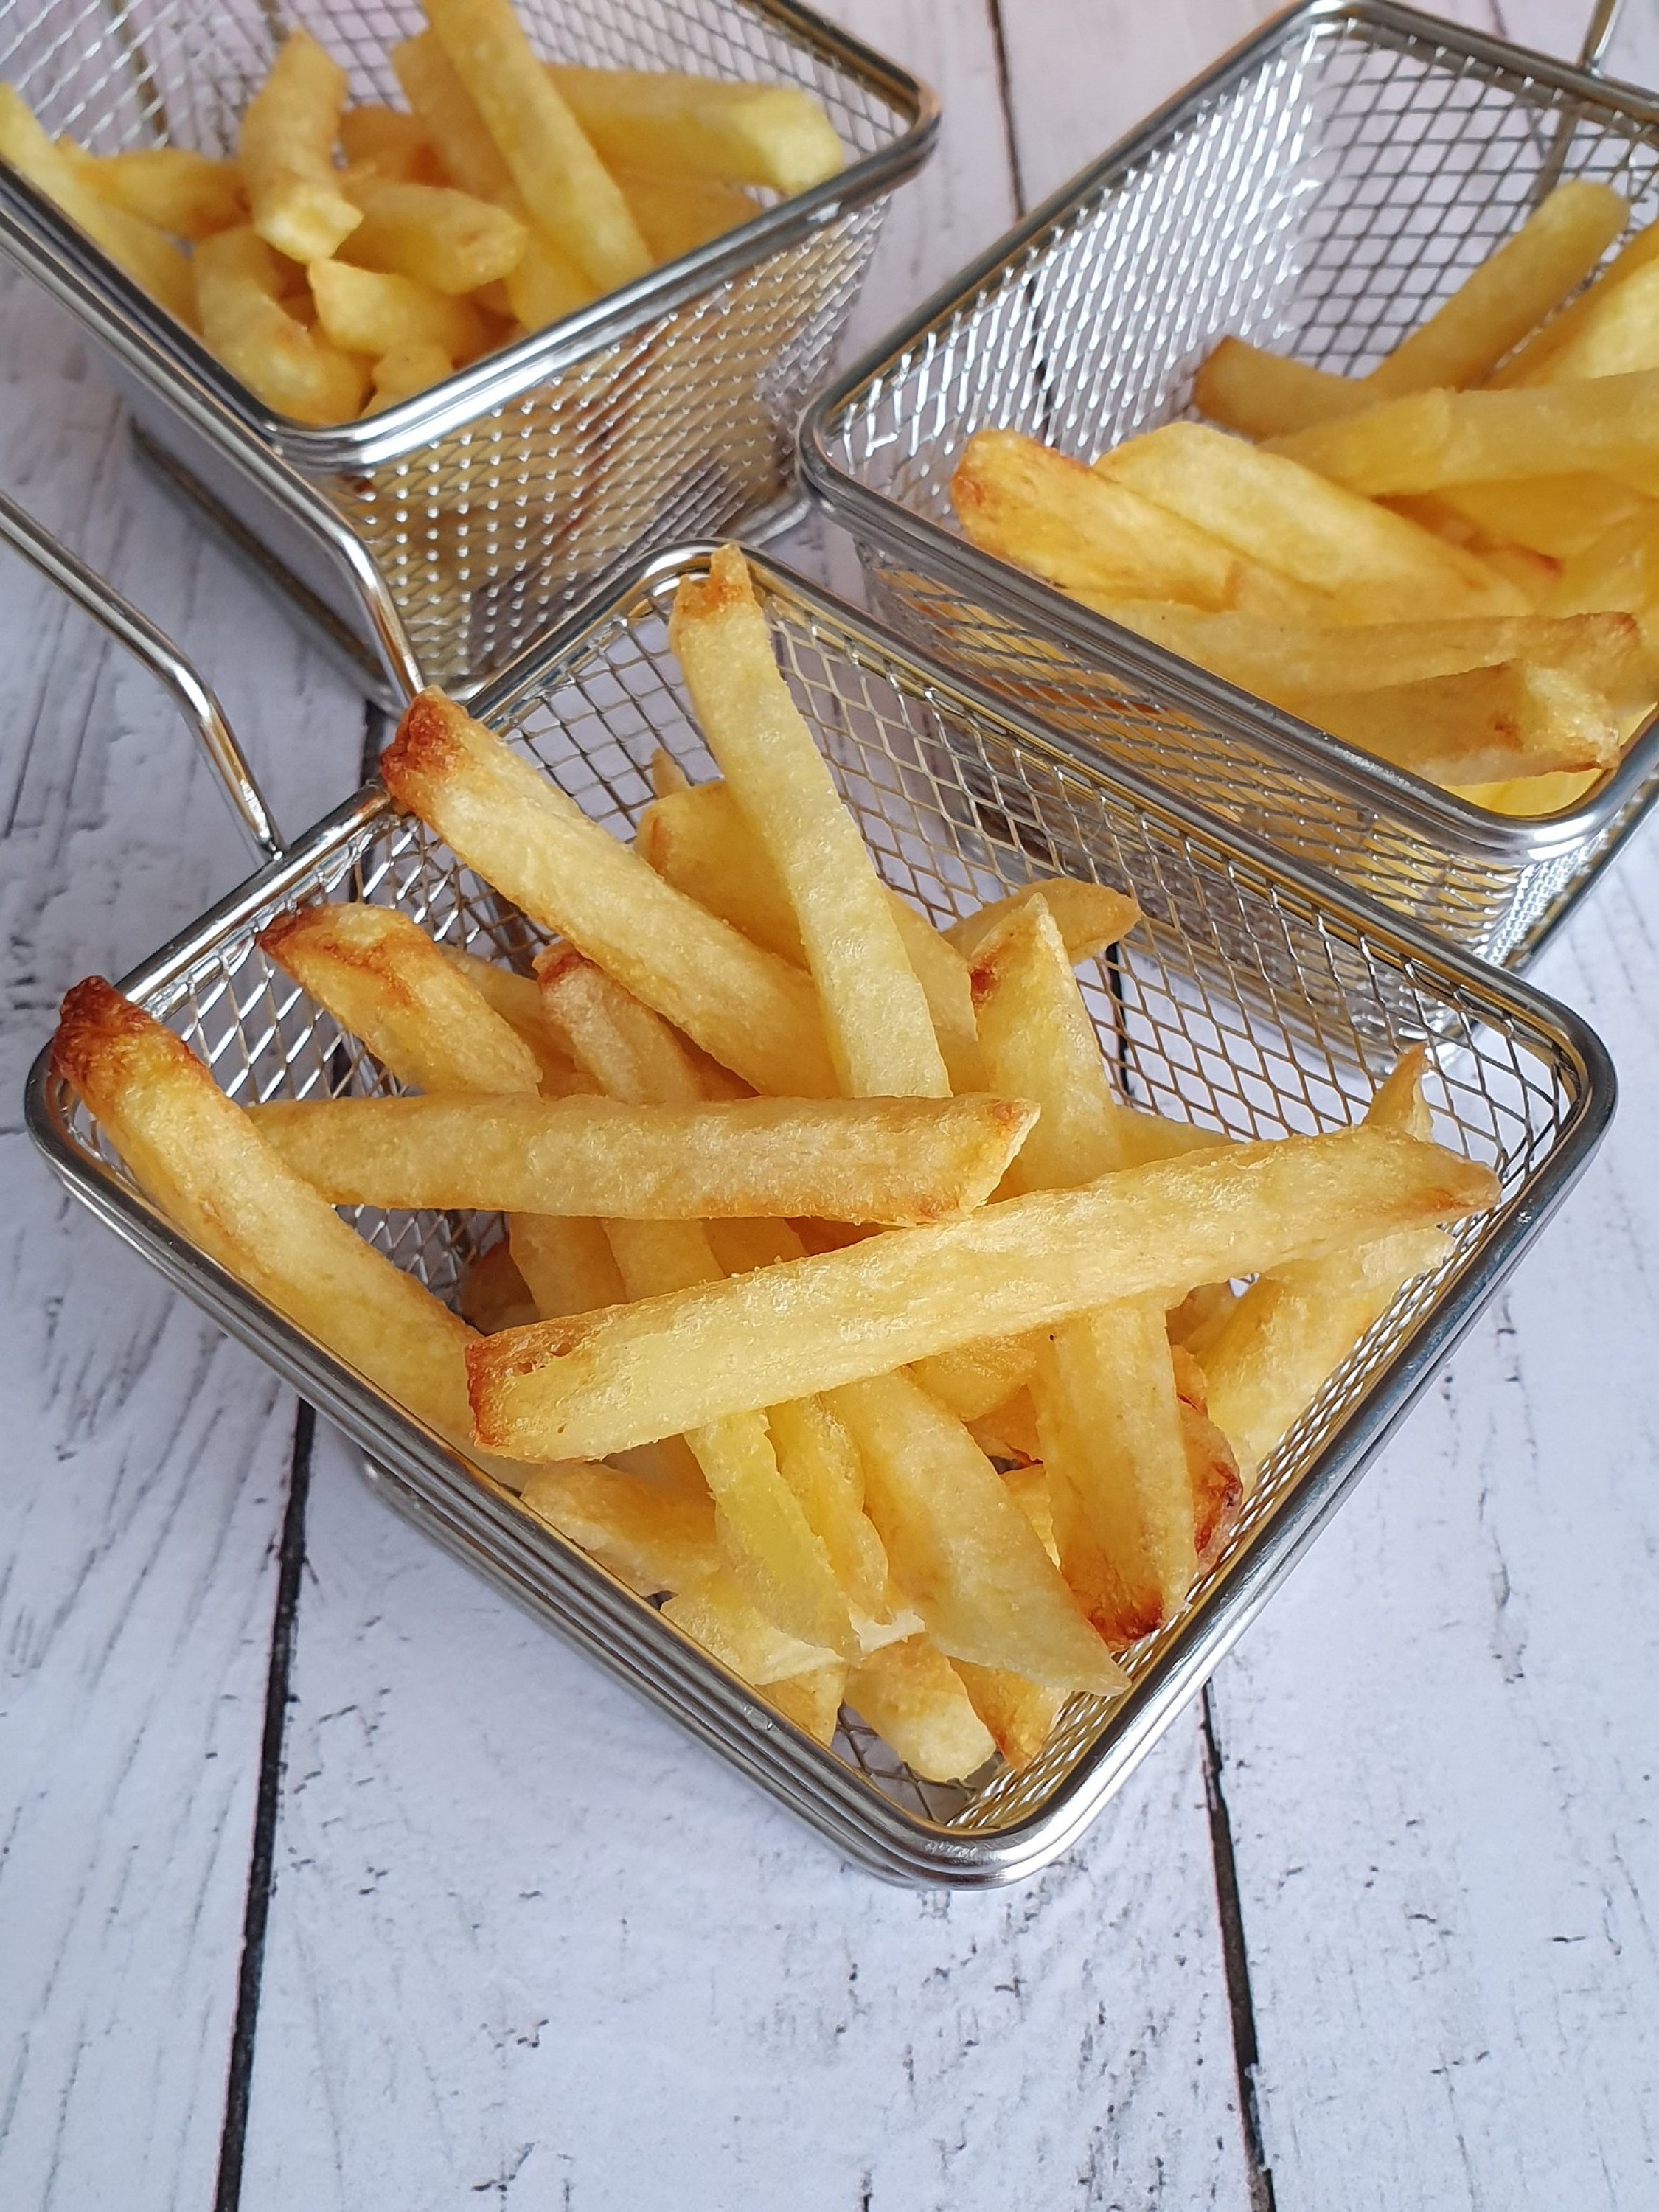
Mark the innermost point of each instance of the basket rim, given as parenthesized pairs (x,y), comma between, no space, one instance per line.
(436,1486)
(174,362)
(1430,811)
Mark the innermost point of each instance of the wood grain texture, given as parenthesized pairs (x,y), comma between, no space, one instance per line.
(145,1456)
(531,1946)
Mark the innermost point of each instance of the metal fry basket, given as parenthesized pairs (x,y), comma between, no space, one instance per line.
(1256,998)
(432,542)
(1319,192)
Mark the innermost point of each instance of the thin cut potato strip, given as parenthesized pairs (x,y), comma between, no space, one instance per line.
(1089,917)
(909,1160)
(752,1012)
(733,133)
(912,1696)
(285,150)
(1265,395)
(653,1540)
(875,1013)
(600,1382)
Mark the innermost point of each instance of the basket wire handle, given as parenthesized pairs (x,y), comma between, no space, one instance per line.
(1603,22)
(195,701)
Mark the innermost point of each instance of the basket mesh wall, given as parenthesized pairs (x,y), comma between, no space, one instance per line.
(1240,1002)
(1322,202)
(682,429)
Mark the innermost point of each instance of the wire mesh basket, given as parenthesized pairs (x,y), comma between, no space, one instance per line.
(1256,998)
(1320,192)
(432,542)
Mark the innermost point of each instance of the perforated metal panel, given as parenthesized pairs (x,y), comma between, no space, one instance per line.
(1320,195)
(1249,1000)
(672,417)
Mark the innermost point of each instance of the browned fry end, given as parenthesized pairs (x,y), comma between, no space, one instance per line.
(428,746)
(100,1034)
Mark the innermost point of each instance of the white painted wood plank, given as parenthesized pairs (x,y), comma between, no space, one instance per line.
(146,1458)
(533,1946)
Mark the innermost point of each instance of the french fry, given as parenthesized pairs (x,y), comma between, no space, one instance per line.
(812,1700)
(1621,334)
(396,143)
(566,1262)
(591,1384)
(544,283)
(652,1539)
(186,195)
(821,1464)
(200,1159)
(1009,1432)
(1483,726)
(445,239)
(696,838)
(518,999)
(1379,566)
(1264,395)
(731,133)
(960,1548)
(753,1012)
(1295,1326)
(285,149)
(676,214)
(570,196)
(494,1295)
(978,1377)
(244,322)
(1510,292)
(629,1052)
(876,1020)
(913,1698)
(367,311)
(1531,363)
(135,245)
(384,980)
(1089,917)
(1217,1485)
(905,1161)
(1558,516)
(1433,439)
(1019,1714)
(719,1614)
(1619,569)
(1094,539)
(406,370)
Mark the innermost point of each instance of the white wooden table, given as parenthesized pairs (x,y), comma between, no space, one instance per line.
(328,1881)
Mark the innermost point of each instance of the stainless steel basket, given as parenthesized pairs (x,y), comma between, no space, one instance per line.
(1320,192)
(430,542)
(1257,998)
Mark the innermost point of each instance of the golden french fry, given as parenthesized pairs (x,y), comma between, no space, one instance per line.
(1094,539)
(1558,516)
(494,1295)
(1008,1432)
(666,773)
(1295,1326)
(1089,917)
(1200,1316)
(446,240)
(244,322)
(875,1013)
(904,1161)
(1019,1714)
(396,143)
(1514,289)
(200,1159)
(812,1700)
(1433,439)
(629,1051)
(1322,536)
(1528,797)
(960,1548)
(976,1378)
(730,132)
(752,1012)
(677,213)
(1263,395)
(1217,1485)
(368,311)
(913,1698)
(1483,726)
(1619,570)
(544,283)
(132,244)
(718,1613)
(695,837)
(651,1539)
(820,1462)
(566,1263)
(1531,364)
(285,150)
(591,1384)
(1620,335)
(384,980)
(404,370)
(518,999)
(185,194)
(569,193)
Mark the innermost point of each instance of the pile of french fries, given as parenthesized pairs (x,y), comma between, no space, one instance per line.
(843,1305)
(1452,563)
(351,257)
